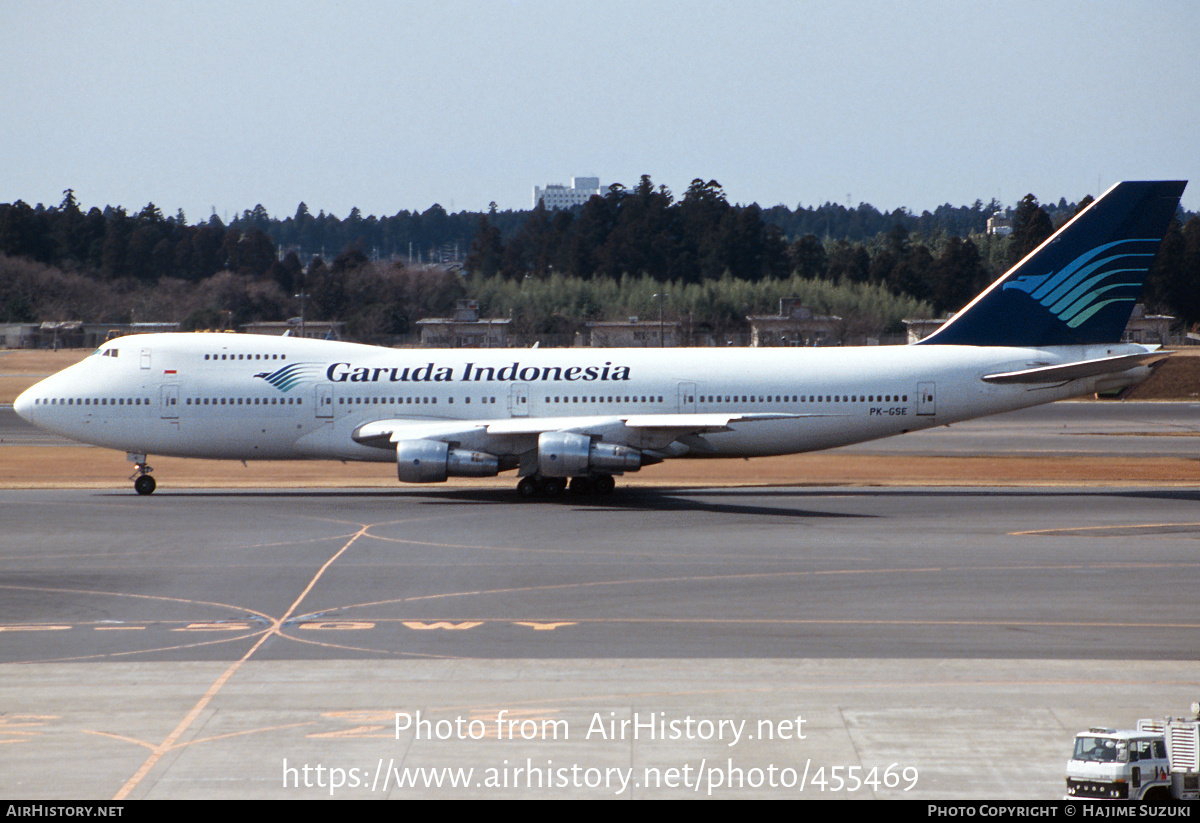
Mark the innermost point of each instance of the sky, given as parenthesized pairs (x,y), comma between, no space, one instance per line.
(387,106)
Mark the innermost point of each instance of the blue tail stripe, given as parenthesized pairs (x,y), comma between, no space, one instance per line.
(1070,270)
(1081,319)
(1080,289)
(1091,298)
(1074,280)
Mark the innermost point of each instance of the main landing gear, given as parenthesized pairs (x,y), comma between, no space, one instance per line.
(594,485)
(143,483)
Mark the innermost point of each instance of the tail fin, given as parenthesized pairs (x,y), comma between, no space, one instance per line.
(1079,286)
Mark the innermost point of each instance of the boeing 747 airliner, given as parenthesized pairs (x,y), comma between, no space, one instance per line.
(1047,330)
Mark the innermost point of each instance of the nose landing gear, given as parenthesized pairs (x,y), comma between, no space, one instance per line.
(143,483)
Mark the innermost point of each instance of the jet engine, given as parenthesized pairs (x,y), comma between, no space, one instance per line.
(566,454)
(431,461)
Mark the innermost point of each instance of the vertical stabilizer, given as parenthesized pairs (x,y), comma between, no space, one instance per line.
(1079,286)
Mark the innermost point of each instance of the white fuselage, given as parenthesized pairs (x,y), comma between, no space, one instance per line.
(210,395)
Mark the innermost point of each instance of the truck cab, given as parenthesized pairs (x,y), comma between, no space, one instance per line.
(1120,764)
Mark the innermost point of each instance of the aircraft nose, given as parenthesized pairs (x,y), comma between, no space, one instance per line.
(23,405)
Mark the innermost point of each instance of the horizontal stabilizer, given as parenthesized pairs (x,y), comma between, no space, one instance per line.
(1075,371)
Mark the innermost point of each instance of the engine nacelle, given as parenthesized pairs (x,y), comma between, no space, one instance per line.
(431,461)
(566,454)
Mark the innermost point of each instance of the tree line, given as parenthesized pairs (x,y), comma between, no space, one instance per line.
(63,263)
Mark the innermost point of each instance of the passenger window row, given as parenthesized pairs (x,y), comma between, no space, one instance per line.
(247,401)
(404,401)
(801,398)
(245,357)
(387,401)
(91,401)
(626,399)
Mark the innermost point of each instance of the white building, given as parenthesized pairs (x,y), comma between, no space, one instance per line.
(999,224)
(556,196)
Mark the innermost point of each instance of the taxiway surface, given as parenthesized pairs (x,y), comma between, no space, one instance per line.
(201,575)
(198,643)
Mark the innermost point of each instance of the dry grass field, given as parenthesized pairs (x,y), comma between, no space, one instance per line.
(21,369)
(89,467)
(85,467)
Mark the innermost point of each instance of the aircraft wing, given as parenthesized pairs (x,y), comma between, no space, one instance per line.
(517,434)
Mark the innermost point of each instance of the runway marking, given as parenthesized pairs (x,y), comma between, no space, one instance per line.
(769,575)
(543,627)
(357,733)
(552,625)
(213,627)
(275,629)
(169,742)
(336,625)
(1092,531)
(785,621)
(123,738)
(145,744)
(381,724)
(13,726)
(537,706)
(244,732)
(1133,434)
(152,597)
(325,644)
(33,628)
(442,624)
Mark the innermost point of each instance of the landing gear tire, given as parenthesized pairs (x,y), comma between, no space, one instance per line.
(534,486)
(527,488)
(143,483)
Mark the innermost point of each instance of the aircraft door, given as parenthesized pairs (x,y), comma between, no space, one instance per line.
(518,400)
(926,398)
(687,398)
(145,359)
(324,400)
(170,401)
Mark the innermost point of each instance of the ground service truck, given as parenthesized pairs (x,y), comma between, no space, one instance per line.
(1157,762)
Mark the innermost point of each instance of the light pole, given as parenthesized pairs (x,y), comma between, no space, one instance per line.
(661,298)
(302,296)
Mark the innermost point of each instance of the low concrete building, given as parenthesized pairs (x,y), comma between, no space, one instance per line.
(795,325)
(633,333)
(72,334)
(919,329)
(312,329)
(96,334)
(465,330)
(1151,329)
(18,335)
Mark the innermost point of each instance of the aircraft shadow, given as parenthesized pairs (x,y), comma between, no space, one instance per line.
(627,499)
